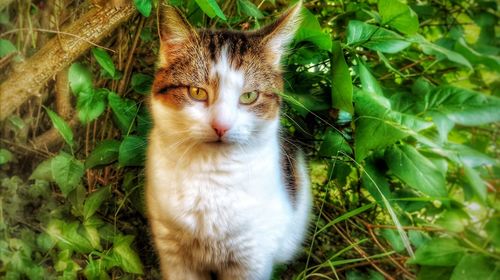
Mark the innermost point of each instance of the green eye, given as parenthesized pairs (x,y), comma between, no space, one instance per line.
(248,98)
(198,94)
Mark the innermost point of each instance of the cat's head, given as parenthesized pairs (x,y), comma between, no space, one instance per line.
(218,86)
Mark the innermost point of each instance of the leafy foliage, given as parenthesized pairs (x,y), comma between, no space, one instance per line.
(395,102)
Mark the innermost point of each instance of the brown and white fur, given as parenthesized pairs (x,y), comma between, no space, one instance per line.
(229,205)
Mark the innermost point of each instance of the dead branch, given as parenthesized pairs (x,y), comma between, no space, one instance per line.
(58,53)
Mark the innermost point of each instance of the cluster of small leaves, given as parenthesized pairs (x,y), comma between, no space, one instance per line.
(396,103)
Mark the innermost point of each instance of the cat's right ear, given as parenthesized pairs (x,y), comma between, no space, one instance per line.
(175,32)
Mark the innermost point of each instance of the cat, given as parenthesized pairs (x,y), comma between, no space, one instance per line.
(225,195)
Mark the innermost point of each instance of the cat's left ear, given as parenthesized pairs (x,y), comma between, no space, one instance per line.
(279,34)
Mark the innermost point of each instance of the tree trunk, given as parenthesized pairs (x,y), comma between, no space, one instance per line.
(58,53)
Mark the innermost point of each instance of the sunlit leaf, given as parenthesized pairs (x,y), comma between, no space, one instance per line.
(439,252)
(374,37)
(104,60)
(398,15)
(211,8)
(249,9)
(62,127)
(67,172)
(144,7)
(341,80)
(80,78)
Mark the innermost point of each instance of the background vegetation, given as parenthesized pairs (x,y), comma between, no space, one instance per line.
(396,104)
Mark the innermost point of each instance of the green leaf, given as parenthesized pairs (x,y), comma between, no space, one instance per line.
(475,181)
(398,15)
(43,171)
(310,31)
(454,220)
(305,103)
(94,201)
(141,83)
(463,106)
(493,230)
(249,9)
(91,105)
(132,151)
(379,186)
(80,78)
(416,170)
(211,8)
(378,126)
(465,155)
(67,172)
(476,267)
(341,80)
(374,37)
(144,7)
(369,83)
(125,257)
(6,47)
(392,236)
(490,61)
(347,215)
(5,156)
(440,52)
(124,111)
(333,143)
(438,252)
(434,272)
(73,238)
(104,60)
(62,127)
(104,153)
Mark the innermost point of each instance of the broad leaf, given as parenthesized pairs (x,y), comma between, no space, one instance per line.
(91,105)
(80,78)
(439,252)
(124,110)
(490,61)
(94,201)
(62,127)
(341,80)
(43,171)
(374,37)
(439,51)
(6,47)
(369,83)
(211,8)
(333,143)
(463,106)
(477,184)
(310,30)
(375,181)
(141,83)
(67,172)
(104,153)
(104,60)
(132,151)
(476,267)
(417,171)
(249,9)
(5,156)
(398,15)
(144,7)
(124,256)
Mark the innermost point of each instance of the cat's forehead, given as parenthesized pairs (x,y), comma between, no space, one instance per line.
(236,45)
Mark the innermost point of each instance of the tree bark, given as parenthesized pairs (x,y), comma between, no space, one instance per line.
(58,53)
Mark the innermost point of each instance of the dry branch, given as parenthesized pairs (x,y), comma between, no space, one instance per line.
(58,53)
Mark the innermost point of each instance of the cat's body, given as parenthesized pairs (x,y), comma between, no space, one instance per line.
(223,196)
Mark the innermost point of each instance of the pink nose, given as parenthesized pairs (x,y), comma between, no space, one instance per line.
(219,128)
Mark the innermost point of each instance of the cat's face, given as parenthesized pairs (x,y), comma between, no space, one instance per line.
(219,87)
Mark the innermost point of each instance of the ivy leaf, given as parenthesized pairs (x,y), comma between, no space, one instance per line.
(374,37)
(91,104)
(67,172)
(416,170)
(104,153)
(438,252)
(124,111)
(124,256)
(144,7)
(132,151)
(211,8)
(398,15)
(341,80)
(62,127)
(104,60)
(94,201)
(249,9)
(80,78)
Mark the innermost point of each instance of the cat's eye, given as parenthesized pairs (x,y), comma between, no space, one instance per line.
(198,94)
(248,98)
